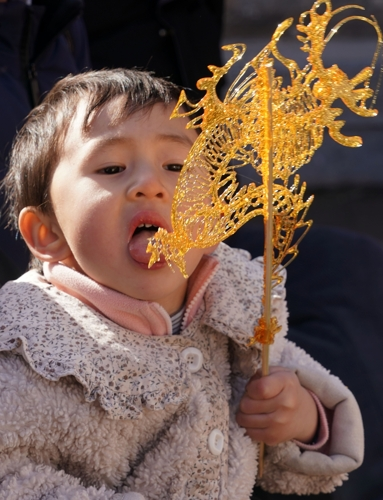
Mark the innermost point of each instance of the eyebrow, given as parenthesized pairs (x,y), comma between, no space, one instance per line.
(182,139)
(110,141)
(115,140)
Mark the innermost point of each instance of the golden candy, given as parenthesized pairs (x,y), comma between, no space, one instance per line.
(262,331)
(208,203)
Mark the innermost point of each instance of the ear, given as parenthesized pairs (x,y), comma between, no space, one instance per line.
(43,235)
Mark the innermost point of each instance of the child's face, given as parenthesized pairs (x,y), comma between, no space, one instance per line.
(111,182)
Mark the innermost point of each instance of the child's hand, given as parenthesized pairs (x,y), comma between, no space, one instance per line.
(277,408)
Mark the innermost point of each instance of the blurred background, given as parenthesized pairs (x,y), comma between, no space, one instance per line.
(347,182)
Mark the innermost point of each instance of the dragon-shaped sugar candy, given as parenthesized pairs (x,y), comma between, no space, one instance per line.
(208,204)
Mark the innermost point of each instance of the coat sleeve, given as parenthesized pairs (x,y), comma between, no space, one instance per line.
(288,469)
(26,434)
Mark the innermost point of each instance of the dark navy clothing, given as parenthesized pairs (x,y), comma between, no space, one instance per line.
(173,38)
(39,44)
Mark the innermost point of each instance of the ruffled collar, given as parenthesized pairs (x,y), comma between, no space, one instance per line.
(59,336)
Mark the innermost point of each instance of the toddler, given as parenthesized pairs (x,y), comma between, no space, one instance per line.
(123,382)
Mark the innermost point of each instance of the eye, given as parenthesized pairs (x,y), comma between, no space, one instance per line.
(112,170)
(174,167)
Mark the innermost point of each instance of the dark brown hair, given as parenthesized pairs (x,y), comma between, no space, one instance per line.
(37,147)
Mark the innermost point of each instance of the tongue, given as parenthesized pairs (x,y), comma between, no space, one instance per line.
(138,245)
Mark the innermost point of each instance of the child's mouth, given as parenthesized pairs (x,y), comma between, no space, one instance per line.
(139,242)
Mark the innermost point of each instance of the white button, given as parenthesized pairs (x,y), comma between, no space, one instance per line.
(215,442)
(193,357)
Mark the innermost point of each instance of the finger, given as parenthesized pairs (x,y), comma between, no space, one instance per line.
(277,417)
(250,406)
(261,421)
(266,387)
(262,428)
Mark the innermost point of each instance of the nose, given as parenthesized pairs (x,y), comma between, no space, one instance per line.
(146,181)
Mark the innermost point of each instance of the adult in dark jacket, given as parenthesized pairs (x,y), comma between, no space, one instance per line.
(39,43)
(174,38)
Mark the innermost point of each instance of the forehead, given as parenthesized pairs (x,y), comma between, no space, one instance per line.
(107,123)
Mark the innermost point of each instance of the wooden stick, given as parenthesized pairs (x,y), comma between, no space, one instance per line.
(268,225)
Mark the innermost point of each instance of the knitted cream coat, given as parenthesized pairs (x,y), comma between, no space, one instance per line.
(90,410)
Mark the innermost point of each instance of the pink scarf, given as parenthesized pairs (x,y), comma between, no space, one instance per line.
(147,318)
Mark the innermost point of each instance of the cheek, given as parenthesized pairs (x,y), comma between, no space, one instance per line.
(85,221)
(172,187)
(95,247)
